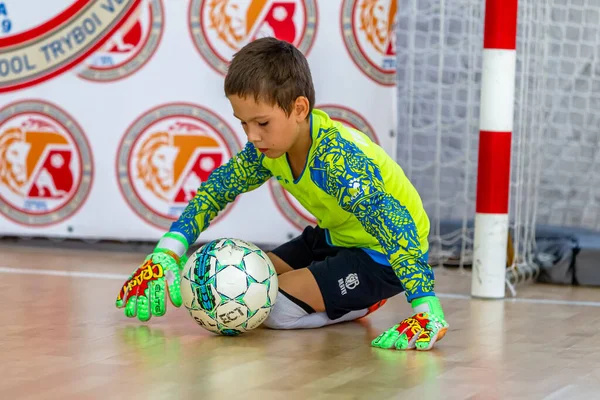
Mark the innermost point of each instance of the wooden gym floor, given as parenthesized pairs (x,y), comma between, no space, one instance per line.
(62,338)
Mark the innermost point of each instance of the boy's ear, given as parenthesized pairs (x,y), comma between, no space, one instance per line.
(301,107)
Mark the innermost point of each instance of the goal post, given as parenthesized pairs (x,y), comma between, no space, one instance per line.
(494,155)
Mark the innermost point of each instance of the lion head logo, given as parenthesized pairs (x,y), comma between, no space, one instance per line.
(13,155)
(377,22)
(156,159)
(230,28)
(368,28)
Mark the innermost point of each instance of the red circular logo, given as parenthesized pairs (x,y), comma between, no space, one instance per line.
(45,163)
(220,28)
(47,47)
(130,47)
(166,154)
(368,28)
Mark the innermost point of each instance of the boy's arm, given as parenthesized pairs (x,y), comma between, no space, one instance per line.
(242,173)
(342,170)
(346,173)
(144,293)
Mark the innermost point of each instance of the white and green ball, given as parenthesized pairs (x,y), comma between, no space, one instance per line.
(229,286)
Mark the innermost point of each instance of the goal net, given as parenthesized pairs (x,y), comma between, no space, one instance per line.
(555,157)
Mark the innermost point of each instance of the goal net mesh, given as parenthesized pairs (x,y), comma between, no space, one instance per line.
(555,165)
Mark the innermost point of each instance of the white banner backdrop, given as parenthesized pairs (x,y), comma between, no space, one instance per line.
(114,146)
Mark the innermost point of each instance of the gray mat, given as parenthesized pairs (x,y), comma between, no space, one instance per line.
(567,256)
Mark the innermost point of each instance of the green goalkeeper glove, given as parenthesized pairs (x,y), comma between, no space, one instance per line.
(421,331)
(144,293)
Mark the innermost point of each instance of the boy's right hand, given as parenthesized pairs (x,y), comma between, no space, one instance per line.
(144,293)
(421,331)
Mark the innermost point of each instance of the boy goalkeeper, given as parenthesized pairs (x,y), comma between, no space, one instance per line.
(371,240)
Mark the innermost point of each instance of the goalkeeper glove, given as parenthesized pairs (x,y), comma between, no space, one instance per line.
(144,293)
(421,331)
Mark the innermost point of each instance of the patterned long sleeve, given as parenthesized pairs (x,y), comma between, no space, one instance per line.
(242,173)
(342,170)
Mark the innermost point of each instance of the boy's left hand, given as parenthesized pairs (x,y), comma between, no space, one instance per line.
(420,331)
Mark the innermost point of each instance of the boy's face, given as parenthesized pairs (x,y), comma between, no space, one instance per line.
(267,127)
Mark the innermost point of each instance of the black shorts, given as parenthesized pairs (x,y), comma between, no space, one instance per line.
(349,278)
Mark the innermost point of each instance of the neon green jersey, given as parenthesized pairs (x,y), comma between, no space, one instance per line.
(359,195)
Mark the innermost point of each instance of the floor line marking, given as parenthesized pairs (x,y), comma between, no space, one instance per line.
(111,276)
(71,274)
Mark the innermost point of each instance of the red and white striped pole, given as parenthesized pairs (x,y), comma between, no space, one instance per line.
(495,132)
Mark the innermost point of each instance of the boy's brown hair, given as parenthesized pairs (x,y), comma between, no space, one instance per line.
(273,71)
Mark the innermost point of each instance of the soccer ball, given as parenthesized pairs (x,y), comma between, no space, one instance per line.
(229,286)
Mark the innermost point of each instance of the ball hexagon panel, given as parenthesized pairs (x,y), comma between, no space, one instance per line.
(255,267)
(256,296)
(231,282)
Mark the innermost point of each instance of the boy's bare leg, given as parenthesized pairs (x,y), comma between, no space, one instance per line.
(299,283)
(280,265)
